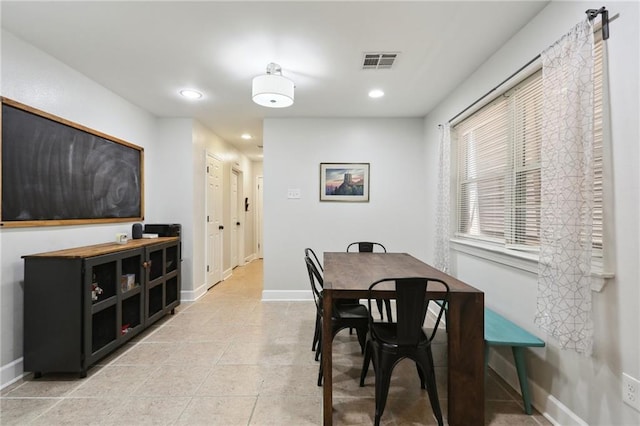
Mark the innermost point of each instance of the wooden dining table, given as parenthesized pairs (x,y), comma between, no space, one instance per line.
(348,276)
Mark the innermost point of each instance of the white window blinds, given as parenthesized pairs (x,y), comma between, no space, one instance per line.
(598,141)
(483,150)
(498,166)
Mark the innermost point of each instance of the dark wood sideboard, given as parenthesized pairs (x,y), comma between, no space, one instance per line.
(81,304)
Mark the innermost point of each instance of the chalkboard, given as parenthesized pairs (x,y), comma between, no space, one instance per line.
(55,172)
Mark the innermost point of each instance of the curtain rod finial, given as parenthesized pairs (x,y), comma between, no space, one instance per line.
(592,13)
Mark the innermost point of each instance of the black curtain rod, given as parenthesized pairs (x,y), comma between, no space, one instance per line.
(495,88)
(591,14)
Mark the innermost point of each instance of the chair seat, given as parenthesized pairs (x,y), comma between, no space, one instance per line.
(387,334)
(339,302)
(346,312)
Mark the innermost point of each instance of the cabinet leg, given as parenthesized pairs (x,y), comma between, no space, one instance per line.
(173,311)
(37,374)
(83,374)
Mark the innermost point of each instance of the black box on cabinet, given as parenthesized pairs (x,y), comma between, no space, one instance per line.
(163,230)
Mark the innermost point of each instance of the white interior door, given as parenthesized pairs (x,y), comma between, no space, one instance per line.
(235,222)
(214,220)
(259,192)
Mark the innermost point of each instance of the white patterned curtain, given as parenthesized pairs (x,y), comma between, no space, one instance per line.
(442,208)
(564,275)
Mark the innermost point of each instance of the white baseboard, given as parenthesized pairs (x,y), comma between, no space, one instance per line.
(552,409)
(227,274)
(193,295)
(250,258)
(286,295)
(11,373)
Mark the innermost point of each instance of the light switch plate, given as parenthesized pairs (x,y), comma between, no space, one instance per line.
(293,193)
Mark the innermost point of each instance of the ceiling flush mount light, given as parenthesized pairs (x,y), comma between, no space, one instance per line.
(376,93)
(245,136)
(272,89)
(191,94)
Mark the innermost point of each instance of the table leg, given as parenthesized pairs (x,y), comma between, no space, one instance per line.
(465,329)
(327,364)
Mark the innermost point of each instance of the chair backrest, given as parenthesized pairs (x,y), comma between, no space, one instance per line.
(412,301)
(366,246)
(315,279)
(308,252)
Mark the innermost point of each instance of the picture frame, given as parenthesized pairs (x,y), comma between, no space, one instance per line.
(346,182)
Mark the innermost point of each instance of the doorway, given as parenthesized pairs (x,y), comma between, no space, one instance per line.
(214,227)
(259,199)
(237,229)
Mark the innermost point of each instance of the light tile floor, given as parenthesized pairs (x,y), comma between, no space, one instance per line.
(230,359)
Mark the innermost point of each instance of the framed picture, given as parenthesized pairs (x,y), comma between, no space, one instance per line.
(344,182)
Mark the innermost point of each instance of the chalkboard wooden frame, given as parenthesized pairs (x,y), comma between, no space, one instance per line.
(57,172)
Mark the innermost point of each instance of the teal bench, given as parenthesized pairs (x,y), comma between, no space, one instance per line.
(499,331)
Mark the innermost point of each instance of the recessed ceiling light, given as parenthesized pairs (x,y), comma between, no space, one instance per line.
(376,93)
(246,136)
(191,94)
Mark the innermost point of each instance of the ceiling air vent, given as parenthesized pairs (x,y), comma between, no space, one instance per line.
(378,61)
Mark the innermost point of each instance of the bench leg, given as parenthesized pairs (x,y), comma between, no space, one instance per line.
(521,367)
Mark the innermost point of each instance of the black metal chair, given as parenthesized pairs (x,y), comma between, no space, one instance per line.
(309,253)
(369,247)
(344,316)
(389,342)
(366,246)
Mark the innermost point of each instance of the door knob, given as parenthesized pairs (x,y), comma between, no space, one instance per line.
(220,227)
(238,223)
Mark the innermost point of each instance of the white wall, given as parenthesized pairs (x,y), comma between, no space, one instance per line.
(568,387)
(38,80)
(174,188)
(394,216)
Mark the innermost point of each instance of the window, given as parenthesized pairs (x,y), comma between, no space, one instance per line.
(498,166)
